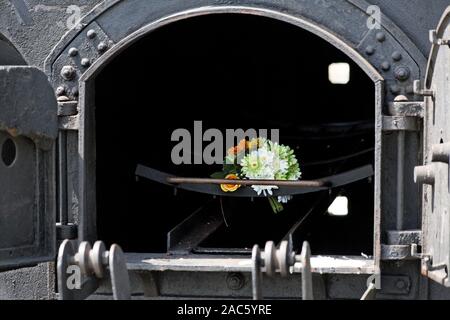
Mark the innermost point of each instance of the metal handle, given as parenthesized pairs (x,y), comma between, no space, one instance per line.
(281,260)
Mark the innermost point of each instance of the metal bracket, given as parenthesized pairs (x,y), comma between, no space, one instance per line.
(400,245)
(418,90)
(404,237)
(273,260)
(440,153)
(400,123)
(69,123)
(66,231)
(406,108)
(435,40)
(67,107)
(425,174)
(91,264)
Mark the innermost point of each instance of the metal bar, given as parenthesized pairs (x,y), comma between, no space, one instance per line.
(283,183)
(370,293)
(120,281)
(307,286)
(222,251)
(335,181)
(256,273)
(188,234)
(400,179)
(62,180)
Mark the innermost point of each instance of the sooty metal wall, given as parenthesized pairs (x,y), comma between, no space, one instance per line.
(134,64)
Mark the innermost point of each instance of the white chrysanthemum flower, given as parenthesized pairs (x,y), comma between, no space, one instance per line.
(270,161)
(284,199)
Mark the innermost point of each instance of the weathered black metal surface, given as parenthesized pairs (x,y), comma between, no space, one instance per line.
(189,233)
(28,105)
(435,174)
(28,128)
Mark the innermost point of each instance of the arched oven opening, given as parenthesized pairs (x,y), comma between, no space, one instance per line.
(233,71)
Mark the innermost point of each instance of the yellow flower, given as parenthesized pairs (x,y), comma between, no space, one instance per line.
(253,144)
(230,187)
(239,148)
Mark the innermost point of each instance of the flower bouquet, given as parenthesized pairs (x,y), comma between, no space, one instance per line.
(260,159)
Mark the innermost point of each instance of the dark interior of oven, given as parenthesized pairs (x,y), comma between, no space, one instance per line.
(232,71)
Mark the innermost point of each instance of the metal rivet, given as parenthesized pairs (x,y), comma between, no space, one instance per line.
(235,281)
(370,50)
(410,90)
(402,73)
(396,56)
(63,99)
(73,52)
(91,34)
(400,98)
(380,36)
(385,66)
(395,89)
(68,72)
(400,284)
(85,62)
(60,91)
(102,46)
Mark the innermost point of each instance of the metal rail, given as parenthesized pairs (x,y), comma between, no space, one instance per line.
(278,183)
(209,186)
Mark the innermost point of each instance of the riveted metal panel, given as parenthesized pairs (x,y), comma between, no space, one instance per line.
(435,174)
(28,128)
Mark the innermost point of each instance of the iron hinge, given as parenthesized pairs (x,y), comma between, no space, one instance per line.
(400,123)
(405,108)
(401,245)
(66,231)
(67,107)
(404,115)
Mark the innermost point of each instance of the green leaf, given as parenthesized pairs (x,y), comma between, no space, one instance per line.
(218,175)
(231,168)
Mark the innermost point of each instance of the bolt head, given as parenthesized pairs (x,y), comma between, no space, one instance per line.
(400,284)
(91,34)
(73,52)
(396,56)
(85,62)
(385,66)
(60,91)
(370,50)
(235,281)
(402,73)
(400,98)
(102,46)
(68,72)
(380,36)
